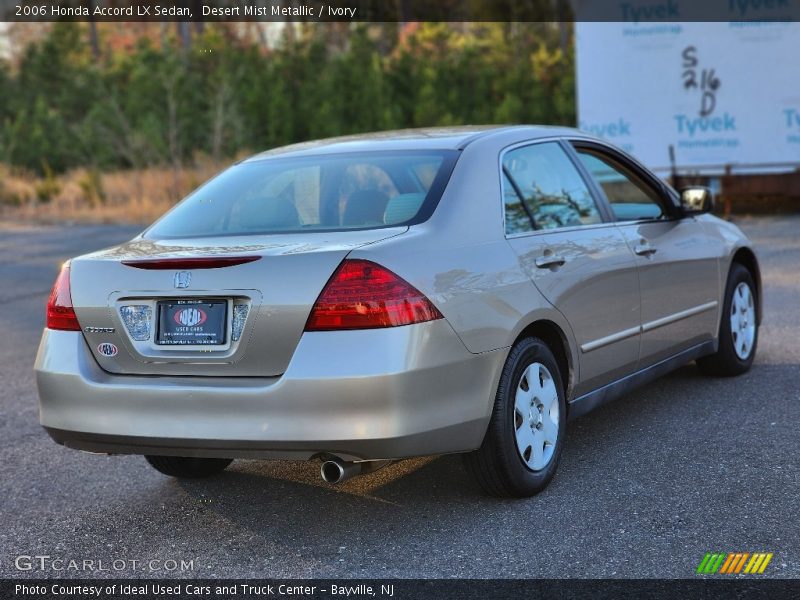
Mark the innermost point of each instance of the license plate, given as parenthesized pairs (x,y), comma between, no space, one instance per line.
(192,322)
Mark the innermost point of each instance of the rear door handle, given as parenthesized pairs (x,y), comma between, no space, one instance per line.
(645,249)
(550,260)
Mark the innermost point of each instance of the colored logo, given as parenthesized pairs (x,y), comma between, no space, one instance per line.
(650,12)
(610,129)
(748,7)
(182,279)
(107,349)
(734,563)
(792,118)
(190,317)
(693,125)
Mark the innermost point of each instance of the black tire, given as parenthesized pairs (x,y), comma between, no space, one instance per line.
(726,362)
(188,468)
(497,465)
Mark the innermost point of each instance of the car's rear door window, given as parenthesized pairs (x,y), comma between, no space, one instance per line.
(542,189)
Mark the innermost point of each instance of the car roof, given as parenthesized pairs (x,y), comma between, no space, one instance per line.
(429,138)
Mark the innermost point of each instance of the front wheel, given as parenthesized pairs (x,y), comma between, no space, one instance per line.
(522,446)
(184,467)
(738,329)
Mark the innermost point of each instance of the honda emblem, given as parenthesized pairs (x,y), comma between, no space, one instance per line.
(183,279)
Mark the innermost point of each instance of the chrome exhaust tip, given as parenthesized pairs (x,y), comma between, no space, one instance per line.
(336,470)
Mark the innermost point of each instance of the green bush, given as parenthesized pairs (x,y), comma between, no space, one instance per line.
(91,184)
(47,187)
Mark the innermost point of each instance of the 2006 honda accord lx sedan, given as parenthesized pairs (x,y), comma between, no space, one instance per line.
(364,299)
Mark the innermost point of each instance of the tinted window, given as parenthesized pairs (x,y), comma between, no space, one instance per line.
(631,198)
(330,193)
(541,184)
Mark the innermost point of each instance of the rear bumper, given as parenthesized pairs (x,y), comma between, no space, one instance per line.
(376,394)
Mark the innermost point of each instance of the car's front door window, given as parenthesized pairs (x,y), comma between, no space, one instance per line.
(631,199)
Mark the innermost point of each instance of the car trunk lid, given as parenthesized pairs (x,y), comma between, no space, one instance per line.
(226,306)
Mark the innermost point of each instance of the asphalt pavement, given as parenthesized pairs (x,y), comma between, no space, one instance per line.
(647,485)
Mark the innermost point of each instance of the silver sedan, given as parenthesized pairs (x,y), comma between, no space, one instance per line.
(365,299)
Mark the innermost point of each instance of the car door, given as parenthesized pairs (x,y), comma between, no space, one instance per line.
(577,258)
(678,268)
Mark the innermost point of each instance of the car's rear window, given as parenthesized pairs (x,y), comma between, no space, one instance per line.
(334,192)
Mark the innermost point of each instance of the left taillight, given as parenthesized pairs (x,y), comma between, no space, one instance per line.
(364,295)
(60,313)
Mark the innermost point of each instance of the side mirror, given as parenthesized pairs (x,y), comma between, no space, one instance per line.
(697,200)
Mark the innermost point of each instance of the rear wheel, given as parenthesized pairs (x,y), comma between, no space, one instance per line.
(522,446)
(738,329)
(188,468)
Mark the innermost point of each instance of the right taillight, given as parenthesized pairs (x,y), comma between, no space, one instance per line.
(365,295)
(60,314)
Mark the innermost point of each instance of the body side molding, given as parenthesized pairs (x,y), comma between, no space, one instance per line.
(649,326)
(684,314)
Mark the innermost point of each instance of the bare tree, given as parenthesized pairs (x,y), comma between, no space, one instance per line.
(170,82)
(184,35)
(221,116)
(256,30)
(200,25)
(94,40)
(164,35)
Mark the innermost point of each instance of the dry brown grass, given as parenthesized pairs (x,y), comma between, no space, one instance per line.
(136,196)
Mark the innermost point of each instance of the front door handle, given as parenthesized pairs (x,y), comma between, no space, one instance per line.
(644,248)
(550,260)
